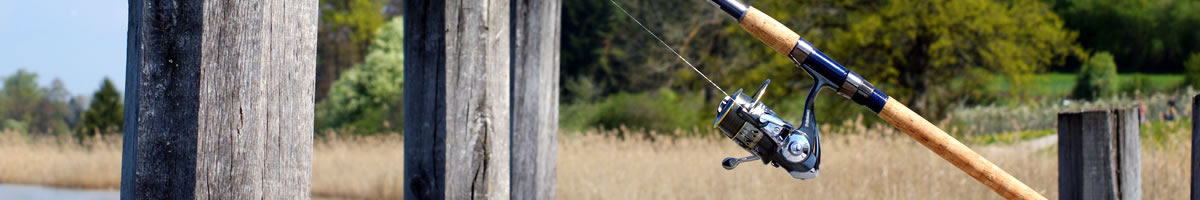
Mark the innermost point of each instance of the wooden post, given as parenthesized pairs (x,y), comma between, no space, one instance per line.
(1128,153)
(535,39)
(1098,155)
(1195,153)
(219,99)
(457,94)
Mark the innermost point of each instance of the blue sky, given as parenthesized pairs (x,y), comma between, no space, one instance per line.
(78,41)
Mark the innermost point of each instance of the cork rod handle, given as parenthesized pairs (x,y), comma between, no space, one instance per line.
(766,29)
(955,152)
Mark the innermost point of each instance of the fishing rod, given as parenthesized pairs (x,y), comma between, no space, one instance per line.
(746,125)
(757,129)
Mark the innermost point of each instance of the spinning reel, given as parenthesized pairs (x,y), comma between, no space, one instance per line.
(797,149)
(757,129)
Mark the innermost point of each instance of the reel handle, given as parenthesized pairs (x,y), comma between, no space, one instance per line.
(731,162)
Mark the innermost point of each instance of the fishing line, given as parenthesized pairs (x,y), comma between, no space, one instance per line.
(714,84)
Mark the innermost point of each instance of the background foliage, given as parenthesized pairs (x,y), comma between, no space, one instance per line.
(107,114)
(1097,78)
(1144,35)
(29,108)
(369,98)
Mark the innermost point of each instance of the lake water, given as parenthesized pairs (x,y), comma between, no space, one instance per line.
(33,192)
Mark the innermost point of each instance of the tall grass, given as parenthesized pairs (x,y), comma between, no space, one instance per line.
(885,164)
(359,167)
(882,165)
(93,162)
(859,162)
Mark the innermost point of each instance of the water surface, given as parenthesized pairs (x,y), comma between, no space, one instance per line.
(34,192)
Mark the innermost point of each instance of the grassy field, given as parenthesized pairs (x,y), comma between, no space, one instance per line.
(881,164)
(1060,84)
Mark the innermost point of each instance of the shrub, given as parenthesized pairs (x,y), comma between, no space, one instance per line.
(662,110)
(1192,70)
(368,98)
(1097,77)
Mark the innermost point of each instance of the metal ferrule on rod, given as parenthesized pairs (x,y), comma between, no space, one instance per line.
(734,8)
(816,63)
(845,82)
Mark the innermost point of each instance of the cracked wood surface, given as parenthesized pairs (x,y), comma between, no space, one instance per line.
(535,44)
(1099,155)
(457,89)
(222,92)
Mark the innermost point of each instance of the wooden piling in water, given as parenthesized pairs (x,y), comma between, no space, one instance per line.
(535,53)
(1195,155)
(1099,155)
(219,99)
(481,93)
(457,105)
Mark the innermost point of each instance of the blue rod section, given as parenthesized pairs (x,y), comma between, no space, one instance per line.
(732,7)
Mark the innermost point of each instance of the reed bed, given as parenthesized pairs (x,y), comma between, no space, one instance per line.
(359,167)
(92,163)
(633,164)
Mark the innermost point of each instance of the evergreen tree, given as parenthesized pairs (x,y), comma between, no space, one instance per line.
(106,114)
(369,97)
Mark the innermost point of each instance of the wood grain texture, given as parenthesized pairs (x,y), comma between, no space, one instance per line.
(1195,182)
(1099,155)
(535,60)
(770,31)
(955,152)
(225,109)
(1128,153)
(463,85)
(424,93)
(1086,160)
(162,80)
(1068,159)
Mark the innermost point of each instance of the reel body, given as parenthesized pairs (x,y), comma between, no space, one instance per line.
(754,127)
(757,129)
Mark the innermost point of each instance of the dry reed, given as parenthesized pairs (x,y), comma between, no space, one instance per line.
(359,167)
(93,163)
(883,164)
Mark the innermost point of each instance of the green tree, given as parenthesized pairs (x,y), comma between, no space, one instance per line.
(106,114)
(369,97)
(345,31)
(24,107)
(1192,67)
(1097,77)
(1148,35)
(914,49)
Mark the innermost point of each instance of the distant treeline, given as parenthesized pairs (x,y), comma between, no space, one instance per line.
(931,54)
(28,108)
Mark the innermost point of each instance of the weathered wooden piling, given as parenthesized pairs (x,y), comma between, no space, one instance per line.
(481,99)
(1099,155)
(535,53)
(219,99)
